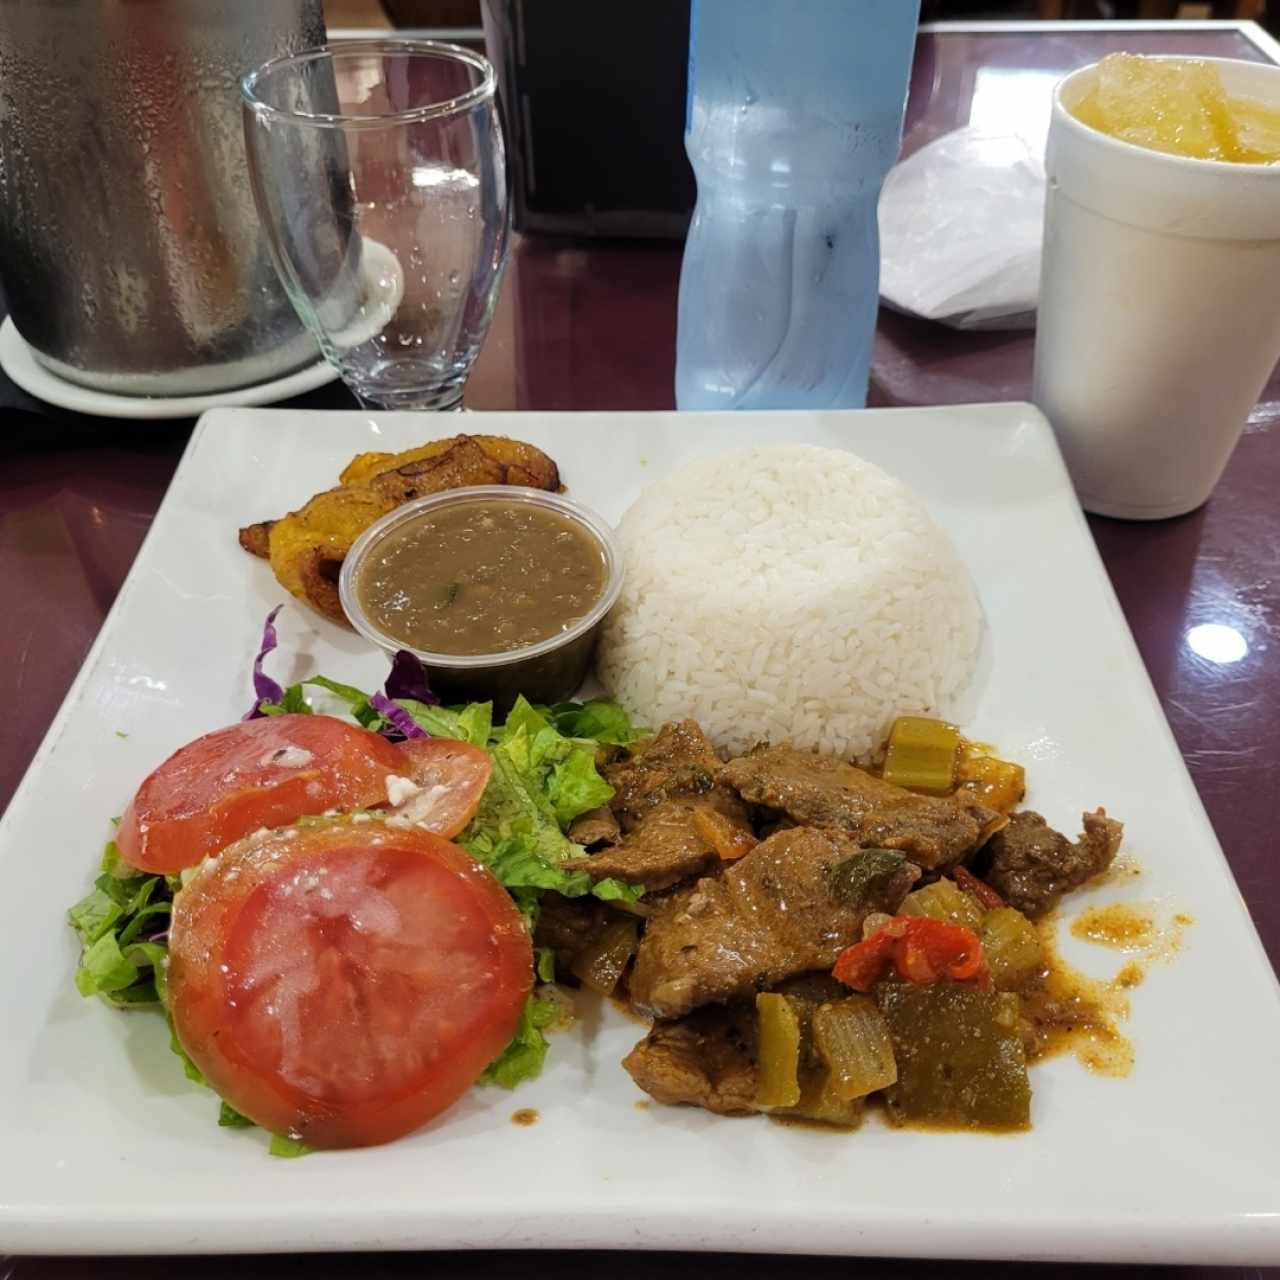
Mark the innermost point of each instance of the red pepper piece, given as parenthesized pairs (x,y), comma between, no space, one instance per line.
(918,949)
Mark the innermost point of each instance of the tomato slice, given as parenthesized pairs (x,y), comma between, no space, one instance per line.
(272,771)
(343,983)
(451,777)
(258,773)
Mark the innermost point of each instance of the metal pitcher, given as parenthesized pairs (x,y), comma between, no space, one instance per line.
(130,251)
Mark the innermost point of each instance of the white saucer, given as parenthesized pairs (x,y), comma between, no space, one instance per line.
(18,362)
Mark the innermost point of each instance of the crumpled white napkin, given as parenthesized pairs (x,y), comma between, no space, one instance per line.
(961,222)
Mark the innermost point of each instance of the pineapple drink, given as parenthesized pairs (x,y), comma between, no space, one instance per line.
(1178,105)
(1159,311)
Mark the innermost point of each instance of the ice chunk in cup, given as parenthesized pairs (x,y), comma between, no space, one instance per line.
(1181,106)
(1159,314)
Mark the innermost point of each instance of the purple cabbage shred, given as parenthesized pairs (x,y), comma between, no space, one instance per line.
(408,679)
(264,687)
(406,726)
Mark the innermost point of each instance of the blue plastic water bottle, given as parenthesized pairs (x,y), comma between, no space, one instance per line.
(795,118)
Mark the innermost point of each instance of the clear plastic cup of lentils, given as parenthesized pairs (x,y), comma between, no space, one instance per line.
(499,590)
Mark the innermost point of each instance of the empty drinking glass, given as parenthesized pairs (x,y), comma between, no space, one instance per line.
(378,171)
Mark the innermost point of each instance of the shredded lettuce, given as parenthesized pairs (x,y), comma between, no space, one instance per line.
(562,767)
(544,776)
(616,891)
(230,1118)
(120,923)
(540,782)
(129,975)
(524,718)
(575,787)
(288,1148)
(523,1057)
(356,699)
(600,719)
(293,702)
(472,723)
(189,1068)
(93,915)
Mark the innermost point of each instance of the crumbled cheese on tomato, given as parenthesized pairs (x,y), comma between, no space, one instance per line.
(400,789)
(419,809)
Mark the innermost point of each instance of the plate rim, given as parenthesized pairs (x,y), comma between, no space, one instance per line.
(1244,1238)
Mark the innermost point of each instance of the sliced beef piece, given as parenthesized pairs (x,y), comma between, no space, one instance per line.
(823,791)
(660,788)
(778,911)
(596,826)
(661,850)
(706,1060)
(1032,866)
(670,843)
(678,761)
(567,925)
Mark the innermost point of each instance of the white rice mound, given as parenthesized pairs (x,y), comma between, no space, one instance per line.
(788,593)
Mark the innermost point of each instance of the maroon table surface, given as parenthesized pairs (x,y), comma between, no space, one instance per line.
(592,326)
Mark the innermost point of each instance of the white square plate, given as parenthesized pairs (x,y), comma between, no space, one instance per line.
(107,1148)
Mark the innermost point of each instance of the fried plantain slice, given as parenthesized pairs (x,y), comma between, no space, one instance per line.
(256,538)
(307,547)
(364,466)
(465,464)
(318,569)
(525,464)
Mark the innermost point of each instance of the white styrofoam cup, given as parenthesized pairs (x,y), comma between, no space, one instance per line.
(1159,311)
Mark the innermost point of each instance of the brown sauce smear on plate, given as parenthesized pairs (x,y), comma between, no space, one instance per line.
(1125,867)
(817,1126)
(1067,1011)
(1133,926)
(1123,926)
(525,1116)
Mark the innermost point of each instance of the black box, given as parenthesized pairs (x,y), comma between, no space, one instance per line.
(592,95)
